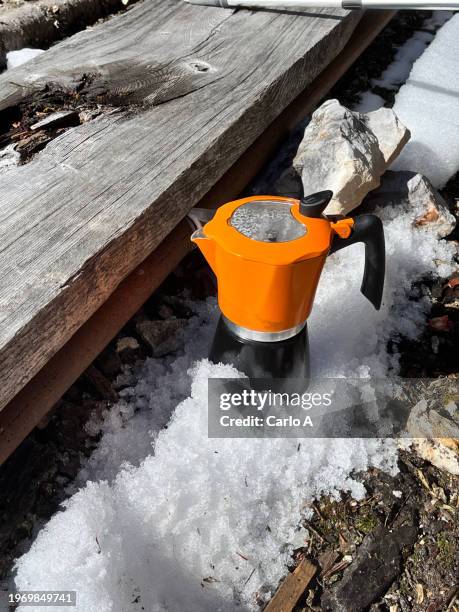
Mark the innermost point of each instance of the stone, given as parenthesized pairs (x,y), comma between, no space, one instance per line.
(161,336)
(340,151)
(451,294)
(127,343)
(414,191)
(433,425)
(128,349)
(432,210)
(392,189)
(377,563)
(100,384)
(179,306)
(289,185)
(439,453)
(109,362)
(392,135)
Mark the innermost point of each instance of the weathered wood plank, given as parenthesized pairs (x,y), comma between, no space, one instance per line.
(291,589)
(87,209)
(38,24)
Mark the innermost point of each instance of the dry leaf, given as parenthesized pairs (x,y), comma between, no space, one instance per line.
(423,480)
(419,594)
(441,324)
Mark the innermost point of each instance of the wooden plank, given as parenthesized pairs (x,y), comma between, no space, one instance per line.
(84,212)
(33,402)
(38,24)
(291,589)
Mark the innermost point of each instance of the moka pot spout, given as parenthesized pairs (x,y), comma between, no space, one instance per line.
(207,246)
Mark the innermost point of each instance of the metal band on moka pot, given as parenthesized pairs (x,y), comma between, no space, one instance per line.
(340,4)
(268,253)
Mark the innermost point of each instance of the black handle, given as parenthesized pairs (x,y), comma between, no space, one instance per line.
(315,204)
(369,230)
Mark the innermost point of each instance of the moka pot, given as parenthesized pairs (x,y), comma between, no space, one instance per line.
(268,253)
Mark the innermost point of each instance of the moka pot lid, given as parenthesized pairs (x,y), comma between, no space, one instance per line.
(269,229)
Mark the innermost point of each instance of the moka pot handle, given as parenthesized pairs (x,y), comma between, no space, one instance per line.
(369,230)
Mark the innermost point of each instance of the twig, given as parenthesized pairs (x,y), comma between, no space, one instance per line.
(315,532)
(251,574)
(453,599)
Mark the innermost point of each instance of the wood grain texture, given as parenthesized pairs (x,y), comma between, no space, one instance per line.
(291,589)
(77,219)
(38,24)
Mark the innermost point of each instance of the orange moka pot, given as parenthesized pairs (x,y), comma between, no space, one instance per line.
(268,253)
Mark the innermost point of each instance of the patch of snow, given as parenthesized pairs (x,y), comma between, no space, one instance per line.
(369,102)
(9,158)
(17,58)
(428,104)
(437,19)
(199,524)
(399,70)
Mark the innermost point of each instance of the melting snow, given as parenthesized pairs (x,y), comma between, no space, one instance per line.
(399,70)
(203,524)
(428,104)
(17,58)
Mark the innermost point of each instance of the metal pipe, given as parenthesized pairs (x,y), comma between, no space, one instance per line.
(341,4)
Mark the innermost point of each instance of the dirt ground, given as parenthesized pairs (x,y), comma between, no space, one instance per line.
(395,550)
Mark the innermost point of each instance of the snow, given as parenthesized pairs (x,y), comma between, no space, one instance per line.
(9,158)
(428,104)
(17,58)
(399,70)
(369,102)
(204,524)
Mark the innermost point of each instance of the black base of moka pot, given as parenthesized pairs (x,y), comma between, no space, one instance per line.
(285,362)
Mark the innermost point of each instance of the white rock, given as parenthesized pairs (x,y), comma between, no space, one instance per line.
(414,192)
(392,135)
(341,152)
(434,426)
(433,210)
(439,454)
